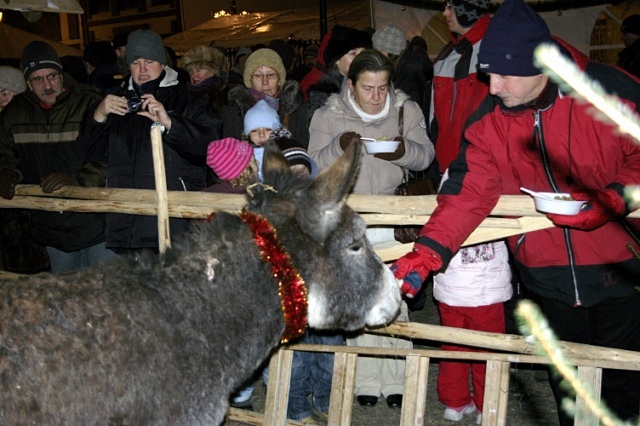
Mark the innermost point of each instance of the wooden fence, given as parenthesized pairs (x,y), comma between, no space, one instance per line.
(513,215)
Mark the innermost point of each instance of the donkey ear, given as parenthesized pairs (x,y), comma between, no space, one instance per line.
(273,161)
(329,192)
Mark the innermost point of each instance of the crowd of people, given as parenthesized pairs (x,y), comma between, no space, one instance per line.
(480,121)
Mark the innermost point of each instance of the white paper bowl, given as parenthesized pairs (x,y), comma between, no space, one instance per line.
(373,146)
(558,204)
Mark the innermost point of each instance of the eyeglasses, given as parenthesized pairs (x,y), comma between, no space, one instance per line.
(40,79)
(447,6)
(260,77)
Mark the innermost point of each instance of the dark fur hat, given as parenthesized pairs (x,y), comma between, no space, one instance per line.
(344,39)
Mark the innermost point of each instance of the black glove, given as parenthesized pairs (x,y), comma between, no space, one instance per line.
(348,138)
(8,180)
(395,155)
(57,180)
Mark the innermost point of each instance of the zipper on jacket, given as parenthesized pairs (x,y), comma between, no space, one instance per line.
(538,134)
(453,101)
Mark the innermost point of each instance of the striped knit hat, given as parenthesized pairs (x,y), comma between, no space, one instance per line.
(229,157)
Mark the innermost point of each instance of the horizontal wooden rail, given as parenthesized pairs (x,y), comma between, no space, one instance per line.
(513,214)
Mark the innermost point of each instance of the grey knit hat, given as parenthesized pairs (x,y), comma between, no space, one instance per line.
(12,79)
(38,55)
(145,44)
(390,39)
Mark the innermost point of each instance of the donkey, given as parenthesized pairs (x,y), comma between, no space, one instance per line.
(149,340)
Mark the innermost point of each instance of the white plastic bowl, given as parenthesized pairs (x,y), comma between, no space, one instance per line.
(557,203)
(373,146)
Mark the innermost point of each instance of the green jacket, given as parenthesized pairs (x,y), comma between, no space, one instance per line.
(41,141)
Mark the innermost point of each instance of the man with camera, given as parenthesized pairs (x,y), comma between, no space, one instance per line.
(38,131)
(118,132)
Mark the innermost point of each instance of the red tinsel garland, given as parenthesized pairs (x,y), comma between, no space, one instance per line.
(291,286)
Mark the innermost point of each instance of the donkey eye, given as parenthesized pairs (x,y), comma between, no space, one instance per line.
(355,247)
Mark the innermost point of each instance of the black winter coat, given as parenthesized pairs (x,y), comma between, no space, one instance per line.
(124,143)
(292,111)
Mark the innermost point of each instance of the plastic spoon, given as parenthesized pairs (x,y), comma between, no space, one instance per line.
(536,194)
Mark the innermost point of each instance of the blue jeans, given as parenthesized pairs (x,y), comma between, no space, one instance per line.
(65,262)
(311,374)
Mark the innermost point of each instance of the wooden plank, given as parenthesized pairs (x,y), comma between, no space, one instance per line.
(496,394)
(508,205)
(414,401)
(606,357)
(592,377)
(164,233)
(277,398)
(342,388)
(253,418)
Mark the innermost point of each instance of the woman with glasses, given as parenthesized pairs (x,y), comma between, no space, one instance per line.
(265,78)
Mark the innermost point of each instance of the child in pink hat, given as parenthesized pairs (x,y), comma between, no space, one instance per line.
(233,162)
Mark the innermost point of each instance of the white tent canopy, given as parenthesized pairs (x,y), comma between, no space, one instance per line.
(246,30)
(574,25)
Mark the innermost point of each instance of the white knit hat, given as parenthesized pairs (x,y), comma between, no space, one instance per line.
(261,115)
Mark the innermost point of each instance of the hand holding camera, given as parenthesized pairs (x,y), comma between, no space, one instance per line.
(130,103)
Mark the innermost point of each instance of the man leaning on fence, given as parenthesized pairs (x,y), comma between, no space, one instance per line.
(530,133)
(38,131)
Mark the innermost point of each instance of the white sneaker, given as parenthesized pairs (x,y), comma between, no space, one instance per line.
(479,419)
(456,414)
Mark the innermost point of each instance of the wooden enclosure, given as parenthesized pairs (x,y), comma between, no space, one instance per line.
(512,216)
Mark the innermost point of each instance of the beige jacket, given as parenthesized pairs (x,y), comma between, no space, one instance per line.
(377,176)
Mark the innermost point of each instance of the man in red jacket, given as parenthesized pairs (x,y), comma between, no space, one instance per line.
(529,133)
(457,87)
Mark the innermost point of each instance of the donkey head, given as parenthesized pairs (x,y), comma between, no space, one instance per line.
(348,285)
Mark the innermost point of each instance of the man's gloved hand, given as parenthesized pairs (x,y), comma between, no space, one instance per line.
(602,207)
(8,180)
(397,154)
(57,180)
(347,138)
(414,267)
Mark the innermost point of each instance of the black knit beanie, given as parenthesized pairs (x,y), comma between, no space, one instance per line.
(631,25)
(469,11)
(39,55)
(513,34)
(344,39)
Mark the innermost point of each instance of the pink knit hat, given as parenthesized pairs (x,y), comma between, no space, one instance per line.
(229,157)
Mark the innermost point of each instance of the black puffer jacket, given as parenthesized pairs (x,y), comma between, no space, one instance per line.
(43,141)
(292,111)
(124,143)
